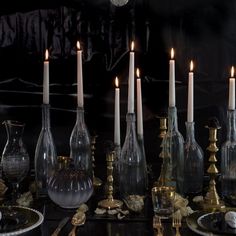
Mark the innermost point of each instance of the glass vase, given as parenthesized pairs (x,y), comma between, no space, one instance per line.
(228,160)
(80,145)
(15,157)
(45,154)
(193,163)
(173,152)
(133,171)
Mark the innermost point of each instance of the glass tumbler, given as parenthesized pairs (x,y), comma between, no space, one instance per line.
(163,201)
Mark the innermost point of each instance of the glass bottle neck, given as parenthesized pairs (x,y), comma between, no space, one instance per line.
(231,132)
(190,136)
(172,119)
(15,130)
(79,115)
(46,116)
(130,120)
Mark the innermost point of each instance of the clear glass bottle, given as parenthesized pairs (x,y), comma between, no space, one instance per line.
(45,153)
(228,159)
(173,151)
(133,171)
(193,163)
(80,145)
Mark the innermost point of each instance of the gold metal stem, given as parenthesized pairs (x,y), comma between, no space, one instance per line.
(212,200)
(96,181)
(110,202)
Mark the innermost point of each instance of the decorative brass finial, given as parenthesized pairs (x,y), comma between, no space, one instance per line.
(96,181)
(110,202)
(212,200)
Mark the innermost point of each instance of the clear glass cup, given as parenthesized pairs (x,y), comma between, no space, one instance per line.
(163,201)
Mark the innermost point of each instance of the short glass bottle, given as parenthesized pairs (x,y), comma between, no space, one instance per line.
(45,154)
(133,171)
(173,151)
(228,159)
(193,163)
(80,145)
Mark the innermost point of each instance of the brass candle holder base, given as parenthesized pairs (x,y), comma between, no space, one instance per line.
(110,203)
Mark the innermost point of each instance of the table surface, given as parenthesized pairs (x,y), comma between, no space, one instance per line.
(138,225)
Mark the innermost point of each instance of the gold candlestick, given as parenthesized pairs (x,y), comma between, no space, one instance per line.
(96,181)
(163,128)
(212,200)
(110,202)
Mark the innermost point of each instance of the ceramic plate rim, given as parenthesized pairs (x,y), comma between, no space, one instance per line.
(21,231)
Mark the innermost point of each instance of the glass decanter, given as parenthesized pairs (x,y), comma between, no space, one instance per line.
(80,145)
(193,163)
(173,151)
(15,158)
(228,160)
(45,153)
(133,170)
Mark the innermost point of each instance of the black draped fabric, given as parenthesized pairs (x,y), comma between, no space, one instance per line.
(202,30)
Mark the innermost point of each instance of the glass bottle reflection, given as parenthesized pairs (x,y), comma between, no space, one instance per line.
(15,158)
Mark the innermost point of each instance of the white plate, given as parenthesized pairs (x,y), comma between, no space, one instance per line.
(34,219)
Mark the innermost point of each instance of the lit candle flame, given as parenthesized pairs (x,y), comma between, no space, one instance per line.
(116,82)
(78,45)
(172,53)
(46,55)
(191,65)
(132,46)
(232,71)
(138,72)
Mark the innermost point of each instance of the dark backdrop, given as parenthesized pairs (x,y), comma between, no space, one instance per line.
(202,30)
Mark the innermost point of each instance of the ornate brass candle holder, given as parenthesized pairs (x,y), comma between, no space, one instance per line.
(163,129)
(110,202)
(212,201)
(96,181)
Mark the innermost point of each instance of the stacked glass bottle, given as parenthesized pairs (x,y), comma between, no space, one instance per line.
(45,153)
(228,159)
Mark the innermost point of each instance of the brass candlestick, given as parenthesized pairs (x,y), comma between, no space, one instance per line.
(212,200)
(96,181)
(110,202)
(163,129)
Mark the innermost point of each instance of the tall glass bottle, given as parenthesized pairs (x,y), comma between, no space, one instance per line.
(80,145)
(133,171)
(173,151)
(228,159)
(193,163)
(45,153)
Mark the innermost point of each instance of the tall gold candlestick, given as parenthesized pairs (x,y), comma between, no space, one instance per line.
(96,181)
(110,202)
(212,200)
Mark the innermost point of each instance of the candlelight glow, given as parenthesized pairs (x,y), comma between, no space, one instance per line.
(116,82)
(132,46)
(232,71)
(172,53)
(191,65)
(78,45)
(46,55)
(138,72)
